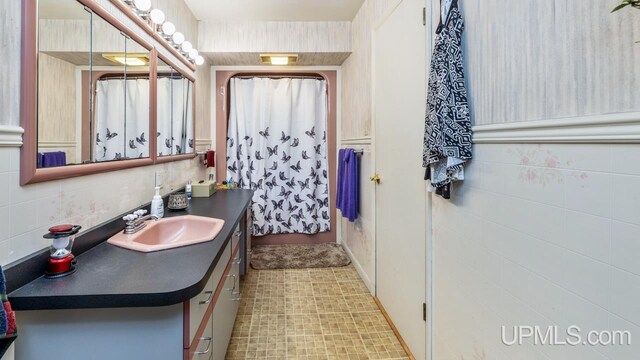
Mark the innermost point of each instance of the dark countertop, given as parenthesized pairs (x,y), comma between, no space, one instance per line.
(109,276)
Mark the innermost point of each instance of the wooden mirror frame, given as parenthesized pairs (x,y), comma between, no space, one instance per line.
(169,158)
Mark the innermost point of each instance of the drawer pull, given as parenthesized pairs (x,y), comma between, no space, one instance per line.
(210,293)
(237,299)
(206,351)
(237,261)
(234,282)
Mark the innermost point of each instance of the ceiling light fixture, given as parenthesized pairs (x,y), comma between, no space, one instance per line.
(168,29)
(157,16)
(279,59)
(186,47)
(199,60)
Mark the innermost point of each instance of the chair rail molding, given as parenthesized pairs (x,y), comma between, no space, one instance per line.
(598,129)
(11,136)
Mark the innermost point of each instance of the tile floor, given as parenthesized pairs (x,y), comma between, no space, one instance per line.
(310,314)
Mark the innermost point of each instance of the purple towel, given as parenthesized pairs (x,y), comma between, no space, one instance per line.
(348,192)
(52,159)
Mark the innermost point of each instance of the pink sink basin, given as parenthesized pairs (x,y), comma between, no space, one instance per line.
(169,233)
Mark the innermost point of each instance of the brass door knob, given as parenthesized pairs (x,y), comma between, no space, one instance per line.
(375,178)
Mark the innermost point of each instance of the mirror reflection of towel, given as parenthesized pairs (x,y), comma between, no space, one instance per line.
(8,330)
(52,159)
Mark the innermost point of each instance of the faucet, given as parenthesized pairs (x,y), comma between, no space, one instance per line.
(136,221)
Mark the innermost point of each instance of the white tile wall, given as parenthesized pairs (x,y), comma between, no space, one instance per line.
(539,235)
(27,212)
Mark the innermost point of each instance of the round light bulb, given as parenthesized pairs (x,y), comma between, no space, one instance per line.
(193,54)
(157,16)
(186,46)
(178,38)
(142,5)
(199,60)
(168,28)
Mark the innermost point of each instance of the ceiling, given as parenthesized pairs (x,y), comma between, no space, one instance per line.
(275,10)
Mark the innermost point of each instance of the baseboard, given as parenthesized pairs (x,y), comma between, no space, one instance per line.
(360,270)
(394,328)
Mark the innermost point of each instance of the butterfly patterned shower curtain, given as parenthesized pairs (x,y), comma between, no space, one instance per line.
(117,138)
(277,146)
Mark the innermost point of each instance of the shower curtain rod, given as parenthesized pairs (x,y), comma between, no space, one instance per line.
(316,77)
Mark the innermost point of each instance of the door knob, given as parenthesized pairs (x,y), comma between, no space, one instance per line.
(375,178)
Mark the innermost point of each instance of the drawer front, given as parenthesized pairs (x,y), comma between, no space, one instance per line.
(203,349)
(235,238)
(199,304)
(224,313)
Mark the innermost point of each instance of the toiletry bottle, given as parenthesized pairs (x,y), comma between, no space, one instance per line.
(187,190)
(157,205)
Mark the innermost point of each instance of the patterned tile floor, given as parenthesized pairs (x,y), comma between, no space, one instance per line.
(310,314)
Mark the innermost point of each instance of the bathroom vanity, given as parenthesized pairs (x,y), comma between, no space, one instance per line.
(122,304)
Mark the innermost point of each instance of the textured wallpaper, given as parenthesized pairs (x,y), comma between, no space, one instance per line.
(550,59)
(356,70)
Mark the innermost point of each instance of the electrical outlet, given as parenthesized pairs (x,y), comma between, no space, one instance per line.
(159,178)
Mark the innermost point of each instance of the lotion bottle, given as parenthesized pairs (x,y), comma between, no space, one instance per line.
(157,205)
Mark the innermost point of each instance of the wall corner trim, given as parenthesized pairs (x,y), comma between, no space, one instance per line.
(599,129)
(11,136)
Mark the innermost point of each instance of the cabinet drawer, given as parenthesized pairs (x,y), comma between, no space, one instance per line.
(224,313)
(203,349)
(235,238)
(199,304)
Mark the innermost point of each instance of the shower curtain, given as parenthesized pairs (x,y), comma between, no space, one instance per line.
(276,145)
(121,119)
(175,116)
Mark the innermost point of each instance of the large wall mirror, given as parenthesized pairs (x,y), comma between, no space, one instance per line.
(176,118)
(93,88)
(89,100)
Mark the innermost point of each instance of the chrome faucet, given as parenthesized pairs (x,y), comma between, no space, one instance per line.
(136,221)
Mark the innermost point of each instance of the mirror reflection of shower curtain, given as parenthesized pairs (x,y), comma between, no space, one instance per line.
(175,116)
(121,119)
(277,146)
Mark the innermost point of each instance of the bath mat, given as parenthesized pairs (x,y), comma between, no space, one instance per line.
(270,257)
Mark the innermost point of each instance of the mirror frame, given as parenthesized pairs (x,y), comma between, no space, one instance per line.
(29,173)
(169,158)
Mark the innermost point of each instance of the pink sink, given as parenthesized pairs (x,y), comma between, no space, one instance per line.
(169,233)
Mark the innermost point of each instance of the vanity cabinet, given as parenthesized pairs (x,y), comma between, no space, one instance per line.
(197,329)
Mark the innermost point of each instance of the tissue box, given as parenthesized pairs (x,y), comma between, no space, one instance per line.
(204,189)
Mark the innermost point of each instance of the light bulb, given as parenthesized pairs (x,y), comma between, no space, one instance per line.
(199,60)
(186,46)
(168,28)
(178,38)
(157,16)
(193,54)
(142,5)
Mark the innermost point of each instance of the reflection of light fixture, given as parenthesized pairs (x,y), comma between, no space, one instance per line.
(279,59)
(193,54)
(128,59)
(157,16)
(142,5)
(199,60)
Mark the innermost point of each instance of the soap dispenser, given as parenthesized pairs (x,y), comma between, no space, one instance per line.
(157,205)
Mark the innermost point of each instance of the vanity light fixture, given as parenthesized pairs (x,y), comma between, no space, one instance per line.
(279,59)
(157,16)
(168,29)
(142,8)
(128,59)
(156,20)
